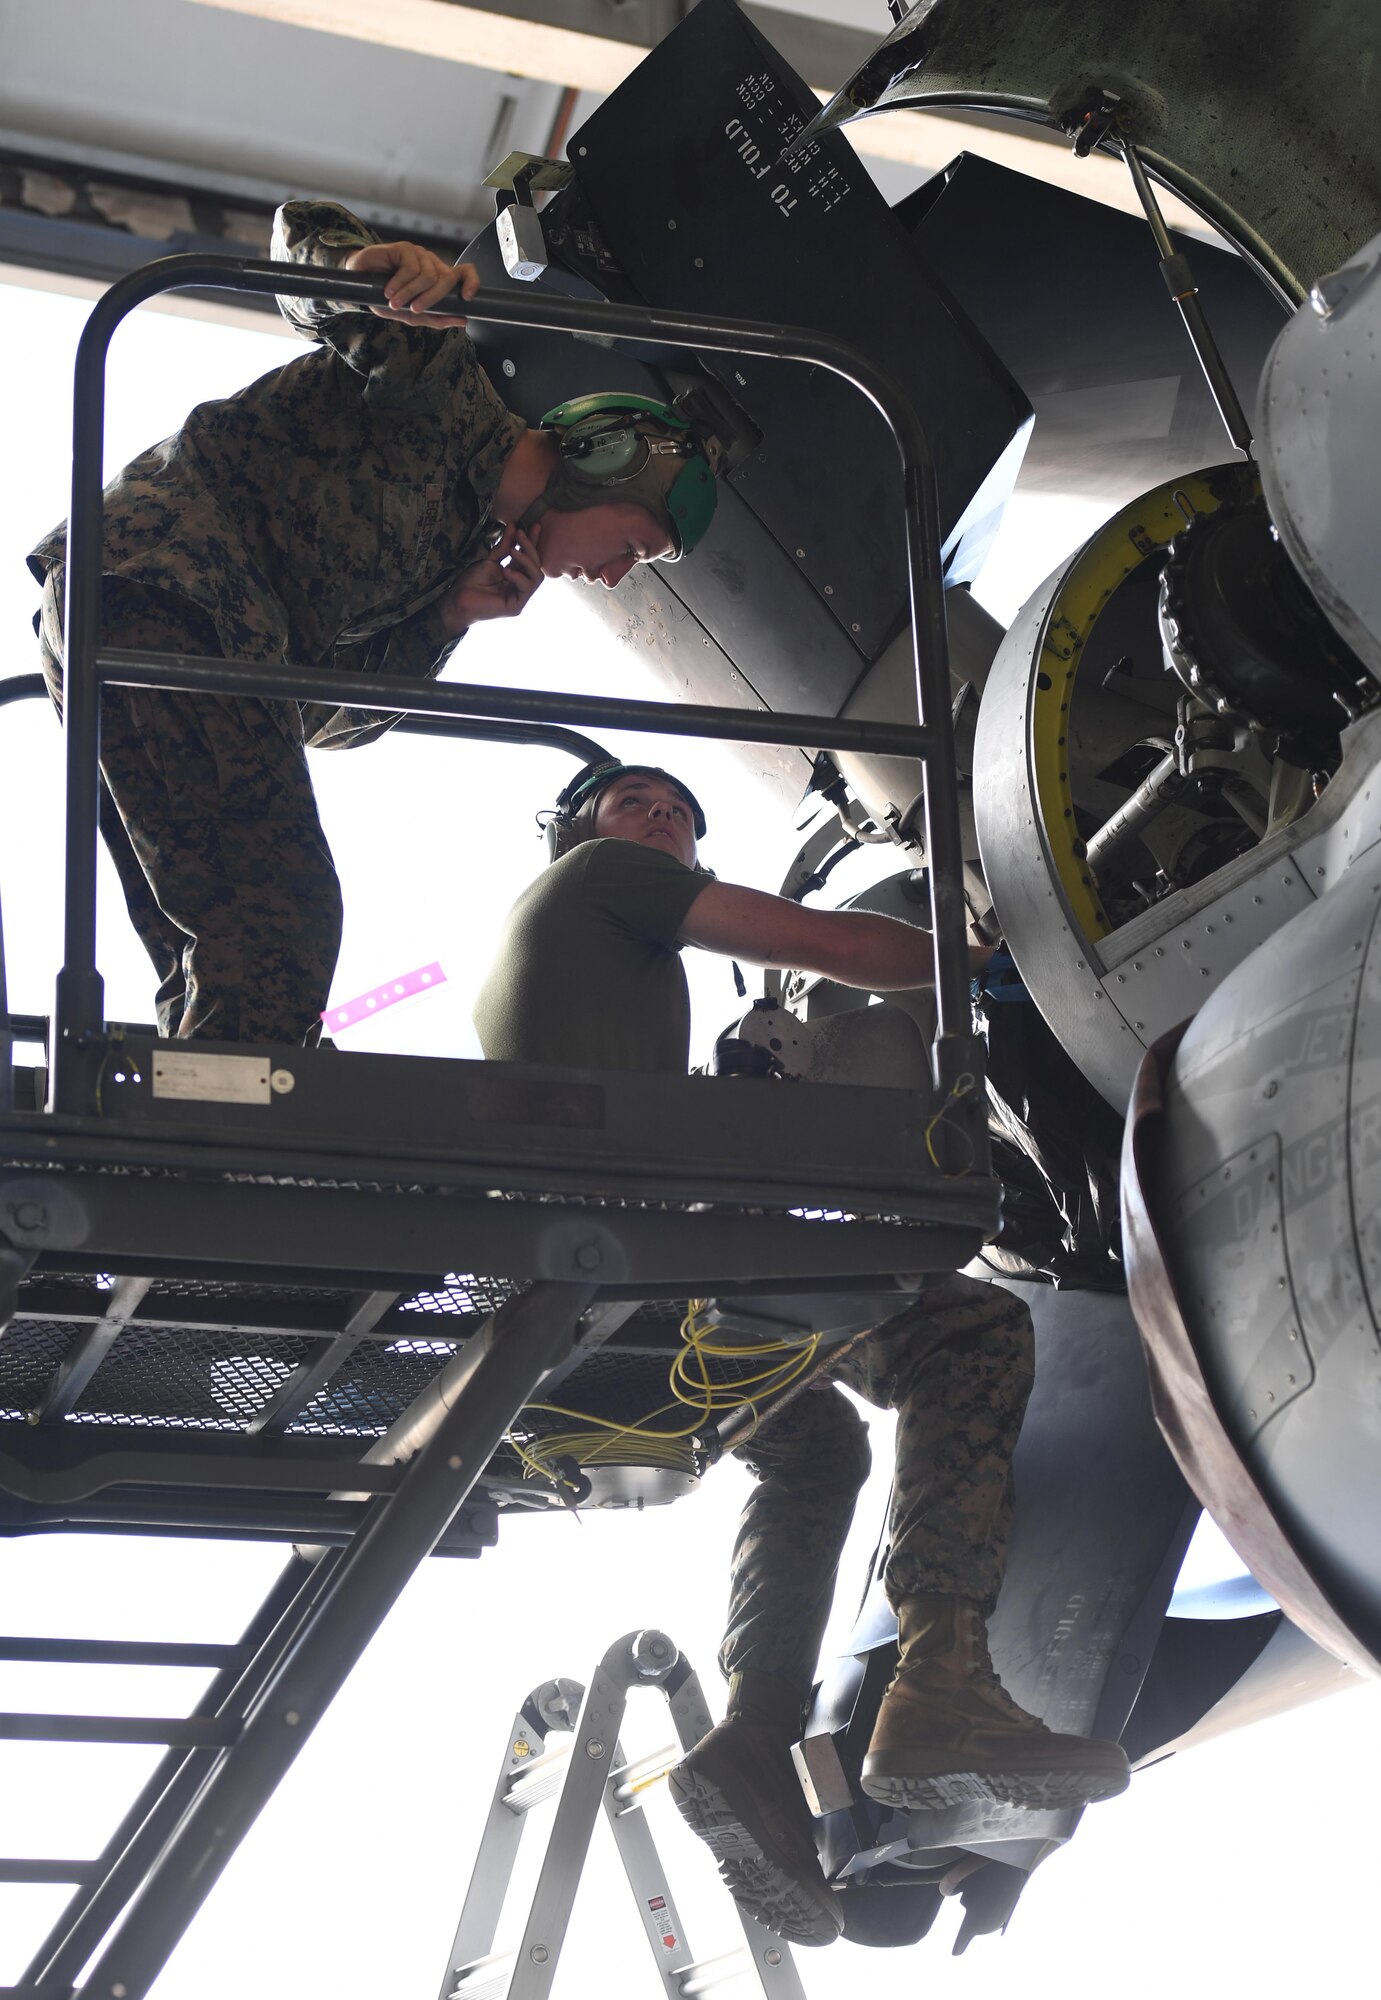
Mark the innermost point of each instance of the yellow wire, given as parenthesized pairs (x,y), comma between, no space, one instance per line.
(704,1396)
(533,1465)
(594,1448)
(960,1088)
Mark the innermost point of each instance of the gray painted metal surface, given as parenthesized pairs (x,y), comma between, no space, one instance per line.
(1194,1422)
(1119,397)
(1271,135)
(1289,1671)
(1267,1205)
(887,786)
(1261,1189)
(1319,426)
(1040,927)
(1109,997)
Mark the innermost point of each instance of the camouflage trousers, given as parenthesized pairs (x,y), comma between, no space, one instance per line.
(957,1367)
(208,812)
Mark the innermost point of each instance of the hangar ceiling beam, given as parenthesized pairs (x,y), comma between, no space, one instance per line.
(180,124)
(593,45)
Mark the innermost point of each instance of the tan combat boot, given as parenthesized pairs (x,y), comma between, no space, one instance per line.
(738,1790)
(949,1734)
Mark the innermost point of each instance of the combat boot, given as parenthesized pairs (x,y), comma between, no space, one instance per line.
(949,1734)
(738,1790)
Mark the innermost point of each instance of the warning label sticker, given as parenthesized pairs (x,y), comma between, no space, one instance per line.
(657,1905)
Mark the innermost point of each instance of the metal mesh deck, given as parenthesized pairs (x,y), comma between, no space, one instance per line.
(374,1387)
(183,1378)
(31,1352)
(224,1289)
(181,1374)
(463,1296)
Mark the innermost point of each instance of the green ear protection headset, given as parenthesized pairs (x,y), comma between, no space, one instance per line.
(572,818)
(631,448)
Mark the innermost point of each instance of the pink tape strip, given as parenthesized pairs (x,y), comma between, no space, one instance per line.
(351,1012)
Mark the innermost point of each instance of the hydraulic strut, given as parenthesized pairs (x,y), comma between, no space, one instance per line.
(1101,119)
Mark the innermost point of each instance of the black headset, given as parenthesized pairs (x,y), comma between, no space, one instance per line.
(559,823)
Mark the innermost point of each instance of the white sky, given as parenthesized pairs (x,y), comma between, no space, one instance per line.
(1246,1865)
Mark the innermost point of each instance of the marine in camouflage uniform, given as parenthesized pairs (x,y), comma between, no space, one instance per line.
(957,1367)
(317,518)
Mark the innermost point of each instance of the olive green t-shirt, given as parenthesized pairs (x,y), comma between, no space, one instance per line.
(588,974)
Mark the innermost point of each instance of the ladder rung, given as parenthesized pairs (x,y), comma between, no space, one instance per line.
(533,1782)
(116,1653)
(708,1973)
(630,1779)
(483,1978)
(182,1732)
(46,1871)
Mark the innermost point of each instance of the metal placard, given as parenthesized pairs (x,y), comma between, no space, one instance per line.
(208,1079)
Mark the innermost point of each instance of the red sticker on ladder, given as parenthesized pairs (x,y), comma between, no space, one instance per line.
(657,1904)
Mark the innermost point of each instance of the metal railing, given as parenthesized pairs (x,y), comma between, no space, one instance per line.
(21,687)
(476,729)
(78,1022)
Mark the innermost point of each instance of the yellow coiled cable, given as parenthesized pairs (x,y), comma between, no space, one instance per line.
(597,1440)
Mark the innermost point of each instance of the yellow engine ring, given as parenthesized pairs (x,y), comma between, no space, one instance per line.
(1135,536)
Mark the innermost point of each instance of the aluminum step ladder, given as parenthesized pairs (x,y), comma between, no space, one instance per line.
(584,1773)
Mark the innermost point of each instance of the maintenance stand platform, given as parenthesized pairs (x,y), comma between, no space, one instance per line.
(418,1245)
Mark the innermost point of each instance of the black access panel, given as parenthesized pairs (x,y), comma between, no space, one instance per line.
(1070,294)
(682,199)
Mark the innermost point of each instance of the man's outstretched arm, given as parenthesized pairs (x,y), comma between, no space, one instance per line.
(855,947)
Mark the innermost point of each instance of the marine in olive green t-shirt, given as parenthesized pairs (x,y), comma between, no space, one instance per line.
(588,973)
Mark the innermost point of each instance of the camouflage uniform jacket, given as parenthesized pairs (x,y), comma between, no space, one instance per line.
(320,514)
